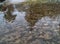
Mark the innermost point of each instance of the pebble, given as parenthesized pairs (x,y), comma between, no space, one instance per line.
(45,24)
(55,22)
(30,31)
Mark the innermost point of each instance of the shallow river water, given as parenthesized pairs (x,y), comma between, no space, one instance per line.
(29,25)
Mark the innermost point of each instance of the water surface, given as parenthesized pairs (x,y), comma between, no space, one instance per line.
(30,24)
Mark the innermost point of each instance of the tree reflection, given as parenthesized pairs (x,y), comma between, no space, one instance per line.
(8,16)
(33,14)
(37,11)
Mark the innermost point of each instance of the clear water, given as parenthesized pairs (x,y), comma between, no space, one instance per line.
(22,26)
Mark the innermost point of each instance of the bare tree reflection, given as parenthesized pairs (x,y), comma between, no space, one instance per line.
(8,16)
(37,11)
